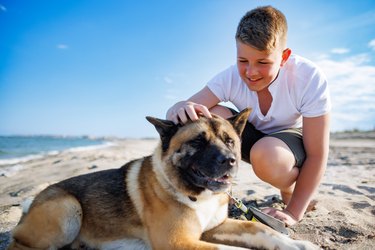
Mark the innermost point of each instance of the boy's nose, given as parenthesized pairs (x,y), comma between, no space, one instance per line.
(251,72)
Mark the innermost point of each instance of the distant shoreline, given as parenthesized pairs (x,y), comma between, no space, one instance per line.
(353,134)
(20,149)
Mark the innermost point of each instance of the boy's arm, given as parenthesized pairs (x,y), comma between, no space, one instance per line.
(316,143)
(200,102)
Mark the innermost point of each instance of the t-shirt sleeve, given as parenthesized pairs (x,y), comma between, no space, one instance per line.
(222,84)
(316,99)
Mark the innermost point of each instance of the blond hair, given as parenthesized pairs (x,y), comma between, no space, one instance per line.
(263,28)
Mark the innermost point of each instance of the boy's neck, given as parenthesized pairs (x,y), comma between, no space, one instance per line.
(265,100)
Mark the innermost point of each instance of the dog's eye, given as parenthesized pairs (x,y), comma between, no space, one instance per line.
(229,142)
(199,140)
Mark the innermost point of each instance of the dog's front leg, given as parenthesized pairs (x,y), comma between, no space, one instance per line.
(191,244)
(183,233)
(252,234)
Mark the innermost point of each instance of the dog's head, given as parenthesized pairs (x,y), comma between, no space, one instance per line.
(200,155)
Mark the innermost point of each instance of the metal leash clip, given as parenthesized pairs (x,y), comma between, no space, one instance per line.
(253,214)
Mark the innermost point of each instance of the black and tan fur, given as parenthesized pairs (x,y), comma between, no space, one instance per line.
(173,199)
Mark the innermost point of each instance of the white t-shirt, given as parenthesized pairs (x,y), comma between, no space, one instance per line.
(300,90)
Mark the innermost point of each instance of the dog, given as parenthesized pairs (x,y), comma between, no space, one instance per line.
(173,199)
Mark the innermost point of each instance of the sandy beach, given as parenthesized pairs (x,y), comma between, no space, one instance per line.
(342,218)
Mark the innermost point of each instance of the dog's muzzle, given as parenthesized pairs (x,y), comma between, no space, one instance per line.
(216,174)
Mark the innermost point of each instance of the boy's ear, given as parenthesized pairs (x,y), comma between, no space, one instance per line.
(239,120)
(165,128)
(285,56)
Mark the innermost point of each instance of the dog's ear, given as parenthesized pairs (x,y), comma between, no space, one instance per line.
(165,128)
(239,120)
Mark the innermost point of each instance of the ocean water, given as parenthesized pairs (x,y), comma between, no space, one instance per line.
(16,149)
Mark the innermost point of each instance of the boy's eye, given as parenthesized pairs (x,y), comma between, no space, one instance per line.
(264,62)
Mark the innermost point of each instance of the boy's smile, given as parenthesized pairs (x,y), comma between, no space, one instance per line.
(258,69)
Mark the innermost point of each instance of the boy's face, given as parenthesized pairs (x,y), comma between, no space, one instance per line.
(258,69)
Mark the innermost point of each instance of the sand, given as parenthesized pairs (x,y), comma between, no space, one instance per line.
(343,218)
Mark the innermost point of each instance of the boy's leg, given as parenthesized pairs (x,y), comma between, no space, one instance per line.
(276,159)
(274,163)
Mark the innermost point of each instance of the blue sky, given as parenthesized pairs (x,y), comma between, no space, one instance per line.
(99,67)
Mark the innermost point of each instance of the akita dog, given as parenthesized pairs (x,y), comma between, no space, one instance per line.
(173,199)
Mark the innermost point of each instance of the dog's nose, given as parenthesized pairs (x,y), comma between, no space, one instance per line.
(226,160)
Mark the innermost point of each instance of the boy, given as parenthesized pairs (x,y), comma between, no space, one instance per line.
(285,92)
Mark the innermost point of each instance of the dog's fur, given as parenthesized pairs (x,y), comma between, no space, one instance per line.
(173,199)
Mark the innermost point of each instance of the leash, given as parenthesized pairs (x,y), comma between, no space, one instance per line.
(253,214)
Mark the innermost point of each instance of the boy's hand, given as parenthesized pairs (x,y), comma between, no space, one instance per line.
(283,215)
(181,112)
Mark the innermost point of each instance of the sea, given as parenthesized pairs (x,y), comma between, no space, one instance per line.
(19,149)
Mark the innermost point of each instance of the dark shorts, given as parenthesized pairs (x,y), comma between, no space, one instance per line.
(291,137)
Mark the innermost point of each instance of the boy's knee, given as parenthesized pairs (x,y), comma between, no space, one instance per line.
(269,160)
(260,162)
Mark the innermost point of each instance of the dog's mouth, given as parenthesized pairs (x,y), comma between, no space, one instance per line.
(222,179)
(219,182)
